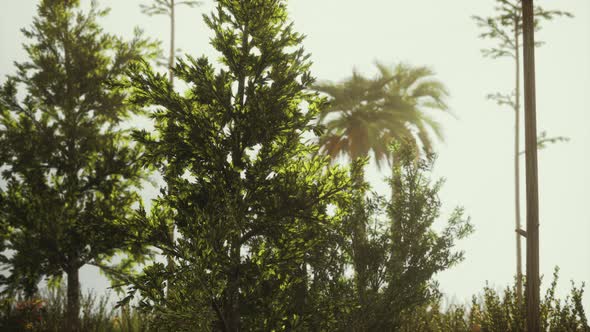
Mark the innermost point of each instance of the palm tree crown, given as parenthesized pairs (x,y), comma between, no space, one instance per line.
(369,113)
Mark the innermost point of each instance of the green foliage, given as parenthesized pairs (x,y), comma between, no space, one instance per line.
(505,29)
(71,171)
(366,115)
(48,314)
(499,312)
(508,22)
(491,311)
(543,141)
(402,252)
(247,200)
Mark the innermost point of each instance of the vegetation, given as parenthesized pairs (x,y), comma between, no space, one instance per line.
(505,29)
(366,115)
(401,252)
(489,311)
(255,228)
(500,311)
(72,173)
(47,313)
(248,202)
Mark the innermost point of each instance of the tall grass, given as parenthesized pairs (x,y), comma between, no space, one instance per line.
(492,311)
(499,311)
(47,314)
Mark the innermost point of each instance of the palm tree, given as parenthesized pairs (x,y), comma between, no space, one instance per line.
(365,116)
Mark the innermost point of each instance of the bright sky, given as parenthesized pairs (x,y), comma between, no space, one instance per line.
(476,157)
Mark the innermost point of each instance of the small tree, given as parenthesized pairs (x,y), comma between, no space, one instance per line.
(72,174)
(248,201)
(404,252)
(364,116)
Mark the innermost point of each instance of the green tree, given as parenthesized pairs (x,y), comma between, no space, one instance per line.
(71,171)
(249,203)
(365,116)
(403,252)
(505,28)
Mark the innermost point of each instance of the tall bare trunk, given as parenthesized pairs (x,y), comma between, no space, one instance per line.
(171,59)
(73,296)
(517,163)
(532,190)
(170,260)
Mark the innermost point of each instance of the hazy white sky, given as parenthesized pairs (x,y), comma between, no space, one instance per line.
(476,157)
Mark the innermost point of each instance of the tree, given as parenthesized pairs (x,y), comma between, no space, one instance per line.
(72,173)
(248,200)
(532,177)
(371,113)
(403,252)
(366,115)
(506,29)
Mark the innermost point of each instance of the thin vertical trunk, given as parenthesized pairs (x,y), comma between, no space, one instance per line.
(301,290)
(171,59)
(359,240)
(517,163)
(169,259)
(532,190)
(73,296)
(234,288)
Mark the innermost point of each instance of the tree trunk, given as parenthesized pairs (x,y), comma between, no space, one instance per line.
(301,293)
(359,239)
(517,164)
(234,289)
(171,59)
(532,190)
(73,297)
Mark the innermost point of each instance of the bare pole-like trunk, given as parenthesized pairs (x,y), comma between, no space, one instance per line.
(171,58)
(532,190)
(517,160)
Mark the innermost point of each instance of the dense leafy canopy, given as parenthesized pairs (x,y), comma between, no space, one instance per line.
(260,231)
(248,201)
(71,171)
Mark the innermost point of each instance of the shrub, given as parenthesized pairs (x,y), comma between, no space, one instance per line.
(498,311)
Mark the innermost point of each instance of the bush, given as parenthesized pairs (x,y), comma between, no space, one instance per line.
(500,312)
